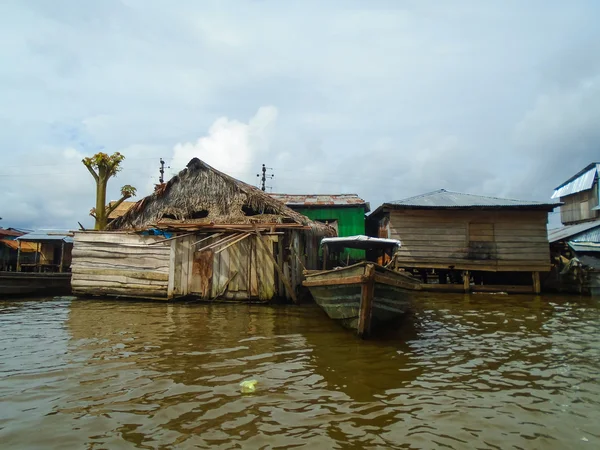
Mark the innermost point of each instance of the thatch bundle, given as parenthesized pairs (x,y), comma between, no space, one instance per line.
(202,194)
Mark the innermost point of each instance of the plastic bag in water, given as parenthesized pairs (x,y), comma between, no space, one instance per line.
(248,386)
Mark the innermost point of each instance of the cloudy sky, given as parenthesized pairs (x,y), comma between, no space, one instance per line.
(386,99)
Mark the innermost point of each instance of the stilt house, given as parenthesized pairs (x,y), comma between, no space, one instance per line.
(485,240)
(202,234)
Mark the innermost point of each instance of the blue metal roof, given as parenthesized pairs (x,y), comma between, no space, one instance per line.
(447,199)
(582,181)
(47,235)
(590,231)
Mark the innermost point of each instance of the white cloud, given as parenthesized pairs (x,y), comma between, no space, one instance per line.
(231,146)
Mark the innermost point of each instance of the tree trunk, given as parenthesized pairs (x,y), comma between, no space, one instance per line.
(101,219)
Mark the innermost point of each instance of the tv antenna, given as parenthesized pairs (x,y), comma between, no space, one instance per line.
(161,179)
(265,176)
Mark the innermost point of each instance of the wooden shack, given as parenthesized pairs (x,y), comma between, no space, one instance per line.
(202,234)
(469,242)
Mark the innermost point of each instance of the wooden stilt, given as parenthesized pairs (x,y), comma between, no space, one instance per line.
(62,256)
(367,293)
(537,288)
(467,281)
(19,257)
(37,257)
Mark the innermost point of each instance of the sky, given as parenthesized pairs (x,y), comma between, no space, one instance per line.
(385,99)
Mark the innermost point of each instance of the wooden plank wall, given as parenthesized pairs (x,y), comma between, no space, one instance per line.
(119,264)
(472,240)
(579,206)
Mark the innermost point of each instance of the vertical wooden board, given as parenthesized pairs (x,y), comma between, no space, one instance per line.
(269,275)
(225,271)
(253,267)
(215,276)
(185,265)
(243,265)
(172,259)
(202,273)
(280,288)
(234,267)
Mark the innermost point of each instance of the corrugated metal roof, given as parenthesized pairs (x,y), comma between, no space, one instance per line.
(27,247)
(47,235)
(12,233)
(319,199)
(121,209)
(585,247)
(582,181)
(447,199)
(572,232)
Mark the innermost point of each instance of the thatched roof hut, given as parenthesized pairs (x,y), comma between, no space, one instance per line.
(201,196)
(202,234)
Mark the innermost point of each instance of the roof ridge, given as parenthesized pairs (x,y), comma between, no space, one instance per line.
(427,194)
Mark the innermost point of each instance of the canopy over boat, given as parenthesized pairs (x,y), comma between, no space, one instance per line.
(360,242)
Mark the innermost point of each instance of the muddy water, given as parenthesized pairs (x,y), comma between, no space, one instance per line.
(477,371)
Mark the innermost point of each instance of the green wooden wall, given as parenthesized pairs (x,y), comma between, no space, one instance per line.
(351,221)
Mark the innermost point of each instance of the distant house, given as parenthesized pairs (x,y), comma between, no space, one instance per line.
(202,234)
(579,237)
(494,240)
(580,196)
(53,249)
(343,212)
(9,249)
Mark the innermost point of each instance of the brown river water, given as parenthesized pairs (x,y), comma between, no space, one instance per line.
(460,372)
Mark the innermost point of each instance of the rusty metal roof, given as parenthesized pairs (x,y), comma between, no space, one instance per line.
(320,199)
(446,199)
(12,233)
(582,181)
(14,245)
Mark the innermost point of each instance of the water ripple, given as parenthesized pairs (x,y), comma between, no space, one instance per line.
(460,372)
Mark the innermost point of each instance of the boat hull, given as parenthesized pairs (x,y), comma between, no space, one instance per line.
(340,293)
(30,283)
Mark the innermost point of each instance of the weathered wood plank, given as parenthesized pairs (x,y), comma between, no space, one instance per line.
(143,275)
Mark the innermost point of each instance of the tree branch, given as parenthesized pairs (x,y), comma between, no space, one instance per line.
(94,174)
(110,208)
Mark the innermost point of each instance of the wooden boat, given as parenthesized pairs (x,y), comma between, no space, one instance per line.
(33,283)
(363,296)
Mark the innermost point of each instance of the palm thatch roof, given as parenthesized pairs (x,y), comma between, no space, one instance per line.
(201,195)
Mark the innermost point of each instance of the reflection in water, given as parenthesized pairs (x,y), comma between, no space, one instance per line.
(478,371)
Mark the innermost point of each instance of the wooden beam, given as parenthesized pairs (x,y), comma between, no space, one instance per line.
(325,256)
(366,302)
(235,241)
(171,239)
(466,281)
(269,253)
(336,281)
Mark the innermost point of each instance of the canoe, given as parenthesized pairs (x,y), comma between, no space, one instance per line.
(362,297)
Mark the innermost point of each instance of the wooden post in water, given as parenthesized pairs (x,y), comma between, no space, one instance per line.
(367,293)
(467,281)
(537,288)
(62,256)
